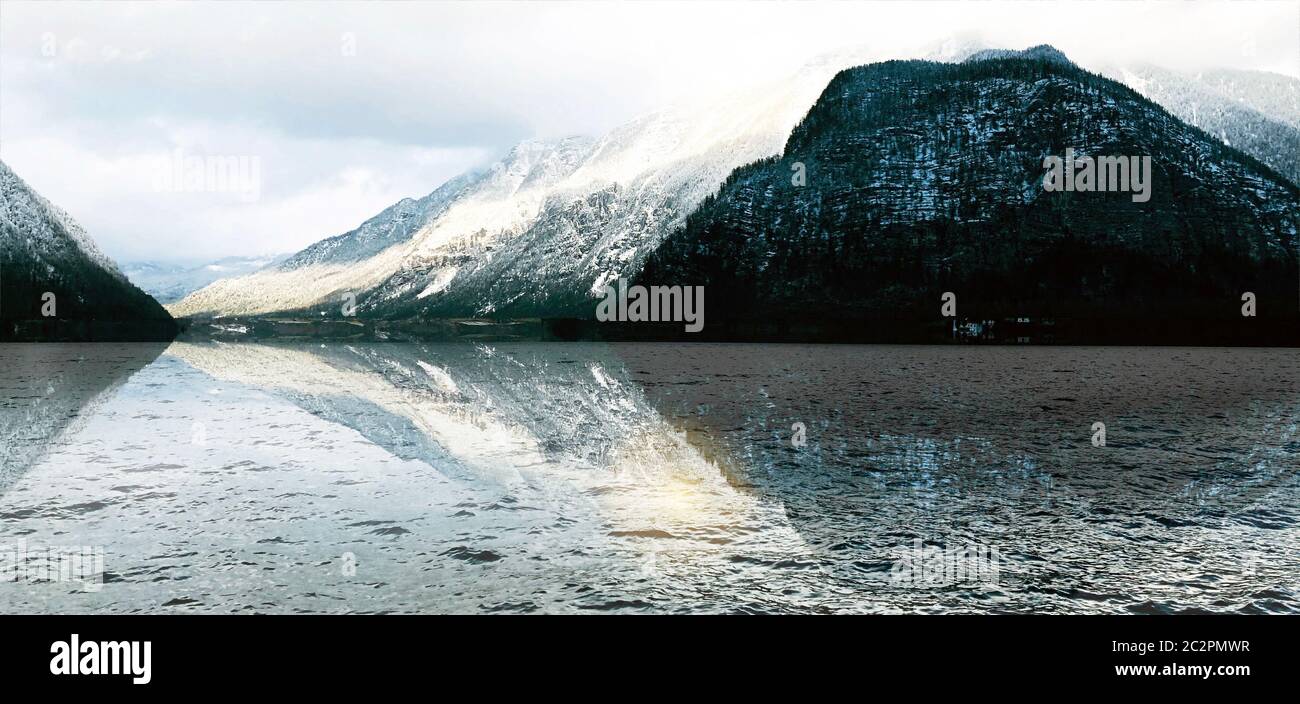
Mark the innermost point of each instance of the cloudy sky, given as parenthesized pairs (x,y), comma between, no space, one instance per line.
(346,108)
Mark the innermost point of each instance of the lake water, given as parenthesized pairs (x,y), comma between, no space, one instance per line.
(554,477)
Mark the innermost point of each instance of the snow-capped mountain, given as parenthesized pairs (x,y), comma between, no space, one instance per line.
(44,251)
(466,214)
(170,282)
(1257,112)
(538,231)
(45,229)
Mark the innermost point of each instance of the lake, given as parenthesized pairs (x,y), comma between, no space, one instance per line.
(324,476)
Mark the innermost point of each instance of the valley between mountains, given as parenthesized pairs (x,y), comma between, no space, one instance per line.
(922,177)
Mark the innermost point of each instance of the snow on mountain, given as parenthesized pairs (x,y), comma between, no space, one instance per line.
(44,252)
(466,213)
(1257,112)
(639,184)
(1042,51)
(170,282)
(534,233)
(539,232)
(1272,94)
(1254,111)
(45,228)
(928,177)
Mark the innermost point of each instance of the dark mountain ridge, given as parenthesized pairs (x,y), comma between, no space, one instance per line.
(43,251)
(924,178)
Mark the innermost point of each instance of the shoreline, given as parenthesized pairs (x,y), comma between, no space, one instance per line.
(1118,332)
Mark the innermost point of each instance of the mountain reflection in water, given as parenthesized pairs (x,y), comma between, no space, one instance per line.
(394,477)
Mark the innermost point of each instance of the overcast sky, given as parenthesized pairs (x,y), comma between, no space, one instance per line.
(350,107)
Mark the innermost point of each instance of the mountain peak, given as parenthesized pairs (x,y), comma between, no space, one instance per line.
(1042,52)
(48,259)
(896,217)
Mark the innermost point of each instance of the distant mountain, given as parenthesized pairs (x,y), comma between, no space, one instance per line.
(170,282)
(924,178)
(466,214)
(537,232)
(1254,111)
(44,251)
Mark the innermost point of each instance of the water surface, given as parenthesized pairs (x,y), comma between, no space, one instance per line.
(387,477)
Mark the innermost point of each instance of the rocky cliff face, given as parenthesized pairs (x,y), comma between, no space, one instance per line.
(923,178)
